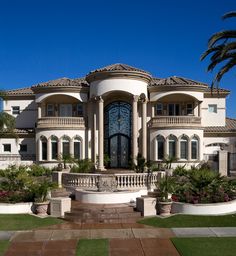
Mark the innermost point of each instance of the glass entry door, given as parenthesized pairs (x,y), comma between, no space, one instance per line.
(118,133)
(65,110)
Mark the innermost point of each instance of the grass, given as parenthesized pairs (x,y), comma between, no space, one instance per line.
(92,247)
(179,221)
(25,221)
(3,246)
(205,246)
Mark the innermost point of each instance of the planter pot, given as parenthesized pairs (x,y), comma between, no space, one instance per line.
(164,208)
(41,208)
(169,172)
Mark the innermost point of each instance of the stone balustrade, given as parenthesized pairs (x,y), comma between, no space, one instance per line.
(58,122)
(17,157)
(124,181)
(177,121)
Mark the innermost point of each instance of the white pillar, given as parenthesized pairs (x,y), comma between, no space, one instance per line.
(144,128)
(100,135)
(135,128)
(49,149)
(39,110)
(59,149)
(94,133)
(71,147)
(39,150)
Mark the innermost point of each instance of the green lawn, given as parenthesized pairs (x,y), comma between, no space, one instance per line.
(93,247)
(25,221)
(179,221)
(205,246)
(3,246)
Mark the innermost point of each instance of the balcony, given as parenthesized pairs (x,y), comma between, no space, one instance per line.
(175,122)
(61,122)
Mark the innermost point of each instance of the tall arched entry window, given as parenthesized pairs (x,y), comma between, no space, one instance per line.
(118,133)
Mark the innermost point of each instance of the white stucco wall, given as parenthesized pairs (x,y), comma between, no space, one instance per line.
(132,86)
(15,145)
(154,96)
(60,133)
(83,97)
(28,112)
(213,119)
(178,133)
(230,141)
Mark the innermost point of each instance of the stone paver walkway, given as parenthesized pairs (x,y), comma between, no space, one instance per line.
(124,239)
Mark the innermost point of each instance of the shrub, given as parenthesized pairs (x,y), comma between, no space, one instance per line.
(37,170)
(82,166)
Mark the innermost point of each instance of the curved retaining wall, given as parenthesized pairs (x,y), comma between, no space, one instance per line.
(204,209)
(94,197)
(15,208)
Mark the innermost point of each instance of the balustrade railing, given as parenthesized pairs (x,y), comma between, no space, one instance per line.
(167,121)
(16,157)
(124,181)
(70,122)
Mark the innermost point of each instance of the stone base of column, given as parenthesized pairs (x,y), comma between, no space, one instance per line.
(101,169)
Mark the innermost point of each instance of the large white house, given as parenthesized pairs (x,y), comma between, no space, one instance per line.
(120,111)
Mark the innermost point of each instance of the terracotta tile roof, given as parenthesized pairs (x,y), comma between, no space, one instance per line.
(118,67)
(21,91)
(174,81)
(229,127)
(63,82)
(219,90)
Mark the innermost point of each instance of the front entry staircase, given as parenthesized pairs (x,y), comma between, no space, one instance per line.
(102,213)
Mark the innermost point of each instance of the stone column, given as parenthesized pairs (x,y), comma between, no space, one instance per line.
(144,128)
(177,148)
(49,149)
(100,135)
(153,110)
(223,162)
(200,108)
(39,110)
(135,128)
(94,144)
(71,147)
(59,149)
(189,150)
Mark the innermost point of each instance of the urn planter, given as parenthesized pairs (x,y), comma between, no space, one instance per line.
(164,208)
(41,208)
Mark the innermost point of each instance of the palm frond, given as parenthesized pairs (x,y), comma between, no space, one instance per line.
(228,48)
(210,50)
(226,34)
(213,63)
(229,15)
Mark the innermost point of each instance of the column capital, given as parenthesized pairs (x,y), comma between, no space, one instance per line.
(135,98)
(98,99)
(143,98)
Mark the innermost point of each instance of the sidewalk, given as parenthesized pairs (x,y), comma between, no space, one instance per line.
(125,240)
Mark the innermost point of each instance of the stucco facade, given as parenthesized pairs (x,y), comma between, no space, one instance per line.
(119,111)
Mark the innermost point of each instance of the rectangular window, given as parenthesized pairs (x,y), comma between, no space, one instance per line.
(177,110)
(189,109)
(160,149)
(54,150)
(194,149)
(159,109)
(183,149)
(15,110)
(212,108)
(77,150)
(171,109)
(44,150)
(23,147)
(66,148)
(79,110)
(50,110)
(7,147)
(172,152)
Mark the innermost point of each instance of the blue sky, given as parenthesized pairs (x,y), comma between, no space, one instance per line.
(43,40)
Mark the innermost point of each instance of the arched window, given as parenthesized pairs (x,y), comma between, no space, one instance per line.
(44,147)
(77,147)
(65,146)
(172,146)
(54,152)
(160,147)
(184,147)
(194,148)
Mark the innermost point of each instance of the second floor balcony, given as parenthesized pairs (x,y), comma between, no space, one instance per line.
(61,122)
(175,122)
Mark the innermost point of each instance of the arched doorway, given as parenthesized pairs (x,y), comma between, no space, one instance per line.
(118,133)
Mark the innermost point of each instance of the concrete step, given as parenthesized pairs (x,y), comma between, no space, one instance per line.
(104,210)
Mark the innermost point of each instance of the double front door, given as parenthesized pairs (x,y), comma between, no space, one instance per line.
(118,133)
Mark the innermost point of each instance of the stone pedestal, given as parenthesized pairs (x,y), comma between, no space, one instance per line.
(223,162)
(146,205)
(107,183)
(59,205)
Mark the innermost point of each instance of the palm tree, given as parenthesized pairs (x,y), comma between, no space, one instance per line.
(222,48)
(7,121)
